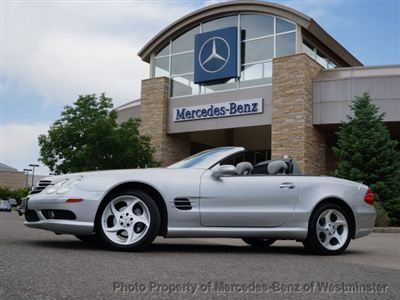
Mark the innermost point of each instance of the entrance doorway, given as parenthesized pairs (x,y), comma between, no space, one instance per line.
(256,140)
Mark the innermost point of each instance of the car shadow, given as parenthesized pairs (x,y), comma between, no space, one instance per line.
(183,248)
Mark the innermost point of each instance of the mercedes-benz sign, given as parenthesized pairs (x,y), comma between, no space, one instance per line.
(216,55)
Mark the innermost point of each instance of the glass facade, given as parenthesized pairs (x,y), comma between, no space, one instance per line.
(318,55)
(262,37)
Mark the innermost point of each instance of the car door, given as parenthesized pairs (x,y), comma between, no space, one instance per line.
(247,201)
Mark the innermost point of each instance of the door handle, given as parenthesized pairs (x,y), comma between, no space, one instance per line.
(287,185)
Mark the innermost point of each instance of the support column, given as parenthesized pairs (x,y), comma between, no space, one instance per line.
(292,127)
(154,118)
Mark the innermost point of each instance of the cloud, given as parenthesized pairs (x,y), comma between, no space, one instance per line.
(60,50)
(19,145)
(321,11)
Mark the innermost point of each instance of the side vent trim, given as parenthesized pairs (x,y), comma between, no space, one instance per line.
(182,204)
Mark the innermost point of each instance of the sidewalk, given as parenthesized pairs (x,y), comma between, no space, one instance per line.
(387,229)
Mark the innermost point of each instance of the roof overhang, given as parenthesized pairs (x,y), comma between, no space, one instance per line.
(210,12)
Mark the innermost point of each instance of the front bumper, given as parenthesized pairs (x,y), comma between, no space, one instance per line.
(52,212)
(63,226)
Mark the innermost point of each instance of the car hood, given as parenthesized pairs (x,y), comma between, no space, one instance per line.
(103,180)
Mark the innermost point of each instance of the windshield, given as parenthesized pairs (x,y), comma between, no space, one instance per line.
(202,159)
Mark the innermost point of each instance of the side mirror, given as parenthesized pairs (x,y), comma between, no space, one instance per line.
(225,170)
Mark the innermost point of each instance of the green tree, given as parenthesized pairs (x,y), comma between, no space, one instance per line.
(87,137)
(367,153)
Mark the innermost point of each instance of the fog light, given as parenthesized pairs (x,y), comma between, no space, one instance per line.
(51,214)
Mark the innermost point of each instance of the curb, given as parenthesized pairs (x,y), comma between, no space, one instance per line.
(386,229)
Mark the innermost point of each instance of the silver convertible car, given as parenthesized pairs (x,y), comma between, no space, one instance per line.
(215,193)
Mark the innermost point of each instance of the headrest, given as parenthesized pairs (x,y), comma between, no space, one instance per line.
(277,167)
(244,168)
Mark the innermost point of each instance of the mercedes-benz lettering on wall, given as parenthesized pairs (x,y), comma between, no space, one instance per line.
(219,110)
(216,55)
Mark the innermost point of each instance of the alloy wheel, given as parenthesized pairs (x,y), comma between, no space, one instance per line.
(332,229)
(125,220)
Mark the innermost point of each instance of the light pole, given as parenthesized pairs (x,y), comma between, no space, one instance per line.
(33,171)
(27,175)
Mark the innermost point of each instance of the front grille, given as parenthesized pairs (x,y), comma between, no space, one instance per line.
(182,204)
(40,186)
(58,214)
(31,216)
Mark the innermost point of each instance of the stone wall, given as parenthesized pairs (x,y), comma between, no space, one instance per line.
(292,127)
(12,180)
(154,114)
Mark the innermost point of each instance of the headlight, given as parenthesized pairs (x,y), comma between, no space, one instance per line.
(63,186)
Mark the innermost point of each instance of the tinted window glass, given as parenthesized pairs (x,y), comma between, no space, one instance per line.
(283,26)
(322,59)
(286,44)
(183,85)
(161,67)
(182,63)
(256,25)
(258,50)
(268,69)
(220,23)
(309,50)
(185,42)
(163,51)
(253,75)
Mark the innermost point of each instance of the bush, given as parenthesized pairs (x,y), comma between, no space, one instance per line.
(382,218)
(17,194)
(392,206)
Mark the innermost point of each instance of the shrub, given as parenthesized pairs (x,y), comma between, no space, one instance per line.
(382,218)
(392,206)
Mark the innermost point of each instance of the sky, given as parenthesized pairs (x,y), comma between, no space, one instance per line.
(54,51)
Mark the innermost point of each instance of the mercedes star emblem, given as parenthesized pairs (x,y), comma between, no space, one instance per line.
(214,54)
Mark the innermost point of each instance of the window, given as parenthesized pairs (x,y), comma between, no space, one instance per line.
(161,66)
(258,50)
(253,26)
(183,85)
(322,59)
(284,26)
(286,44)
(164,51)
(220,23)
(318,56)
(185,42)
(262,37)
(256,74)
(182,63)
(331,65)
(309,49)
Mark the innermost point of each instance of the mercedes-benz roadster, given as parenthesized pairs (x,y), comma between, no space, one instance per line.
(215,193)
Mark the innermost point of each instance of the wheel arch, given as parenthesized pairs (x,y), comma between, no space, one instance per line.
(342,203)
(146,188)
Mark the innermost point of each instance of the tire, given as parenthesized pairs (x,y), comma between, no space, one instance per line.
(329,231)
(259,242)
(88,238)
(129,220)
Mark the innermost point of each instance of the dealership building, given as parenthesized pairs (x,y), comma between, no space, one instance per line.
(258,75)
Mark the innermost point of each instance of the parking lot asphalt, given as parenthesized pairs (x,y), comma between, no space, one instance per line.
(37,264)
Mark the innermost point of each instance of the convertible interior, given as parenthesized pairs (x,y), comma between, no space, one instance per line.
(284,166)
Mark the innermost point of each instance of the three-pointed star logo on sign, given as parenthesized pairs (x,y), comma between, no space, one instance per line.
(214,54)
